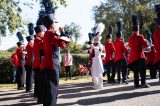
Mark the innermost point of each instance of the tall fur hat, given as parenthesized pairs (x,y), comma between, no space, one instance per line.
(135,23)
(110,30)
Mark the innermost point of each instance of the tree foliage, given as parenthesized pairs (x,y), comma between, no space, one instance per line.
(10,13)
(110,11)
(48,6)
(74,30)
(10,17)
(55,2)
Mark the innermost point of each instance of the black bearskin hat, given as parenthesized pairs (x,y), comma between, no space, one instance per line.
(48,20)
(119,28)
(39,28)
(110,30)
(29,38)
(19,43)
(149,35)
(157,10)
(31,28)
(20,37)
(135,23)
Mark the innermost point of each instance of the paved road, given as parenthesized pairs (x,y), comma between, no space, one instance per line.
(84,95)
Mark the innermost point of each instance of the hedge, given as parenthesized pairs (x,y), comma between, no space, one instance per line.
(5,70)
(6,66)
(77,59)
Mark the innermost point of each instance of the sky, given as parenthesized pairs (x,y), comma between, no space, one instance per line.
(77,11)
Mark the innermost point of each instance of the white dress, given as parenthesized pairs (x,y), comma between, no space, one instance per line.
(97,67)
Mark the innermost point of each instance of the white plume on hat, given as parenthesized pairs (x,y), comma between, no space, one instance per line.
(100,29)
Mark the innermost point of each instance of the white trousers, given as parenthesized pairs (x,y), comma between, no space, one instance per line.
(98,80)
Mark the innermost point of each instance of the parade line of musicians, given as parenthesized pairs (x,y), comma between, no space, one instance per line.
(42,56)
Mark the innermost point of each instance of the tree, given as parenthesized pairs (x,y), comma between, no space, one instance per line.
(10,17)
(111,11)
(73,47)
(10,14)
(48,6)
(74,31)
(55,2)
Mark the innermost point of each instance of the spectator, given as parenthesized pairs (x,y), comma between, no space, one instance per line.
(68,63)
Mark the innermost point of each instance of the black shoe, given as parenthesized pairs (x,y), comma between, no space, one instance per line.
(104,80)
(145,86)
(21,88)
(137,86)
(109,81)
(113,81)
(124,81)
(28,91)
(39,102)
(154,78)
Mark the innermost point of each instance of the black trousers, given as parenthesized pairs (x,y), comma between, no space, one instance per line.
(157,68)
(121,66)
(110,69)
(51,83)
(20,76)
(138,67)
(38,88)
(68,71)
(152,69)
(29,77)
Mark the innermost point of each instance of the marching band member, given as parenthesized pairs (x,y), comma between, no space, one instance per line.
(108,61)
(150,56)
(29,59)
(50,63)
(137,58)
(38,55)
(156,38)
(20,67)
(97,65)
(120,55)
(14,60)
(20,72)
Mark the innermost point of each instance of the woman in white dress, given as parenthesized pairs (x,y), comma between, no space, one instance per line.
(97,65)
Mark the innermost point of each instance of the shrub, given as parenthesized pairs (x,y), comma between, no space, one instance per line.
(6,66)
(5,70)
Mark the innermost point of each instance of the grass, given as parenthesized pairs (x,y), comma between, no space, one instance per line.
(74,80)
(4,54)
(7,87)
(78,79)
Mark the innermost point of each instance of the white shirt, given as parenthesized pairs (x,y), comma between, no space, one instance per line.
(68,60)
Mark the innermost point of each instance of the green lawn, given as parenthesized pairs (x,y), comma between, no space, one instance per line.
(78,79)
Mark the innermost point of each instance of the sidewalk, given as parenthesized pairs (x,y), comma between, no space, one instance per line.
(83,94)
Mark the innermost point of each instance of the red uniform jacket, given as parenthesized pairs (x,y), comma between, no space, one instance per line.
(150,56)
(109,48)
(90,55)
(50,39)
(20,54)
(156,38)
(136,43)
(38,45)
(14,59)
(120,49)
(29,49)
